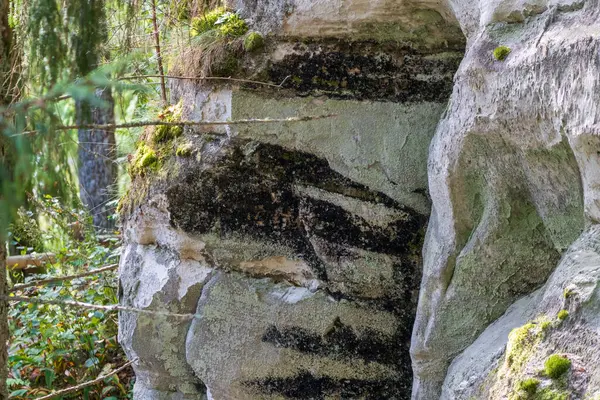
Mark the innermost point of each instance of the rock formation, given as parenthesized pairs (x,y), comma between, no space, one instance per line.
(297,245)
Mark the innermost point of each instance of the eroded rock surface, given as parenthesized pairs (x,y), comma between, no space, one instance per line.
(296,245)
(513,179)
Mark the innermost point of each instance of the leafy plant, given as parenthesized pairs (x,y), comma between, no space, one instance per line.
(53,347)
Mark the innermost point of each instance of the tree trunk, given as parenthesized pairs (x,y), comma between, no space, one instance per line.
(97,161)
(6,97)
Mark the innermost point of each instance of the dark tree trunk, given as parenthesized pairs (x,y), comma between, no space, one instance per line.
(6,97)
(97,161)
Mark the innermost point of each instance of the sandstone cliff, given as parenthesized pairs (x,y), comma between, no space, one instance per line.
(435,235)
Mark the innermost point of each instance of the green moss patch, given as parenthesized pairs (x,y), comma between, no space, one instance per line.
(222,21)
(562,315)
(184,150)
(529,386)
(207,21)
(144,160)
(253,41)
(501,52)
(522,340)
(166,133)
(556,366)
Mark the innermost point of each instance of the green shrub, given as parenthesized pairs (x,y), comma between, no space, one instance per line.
(253,41)
(501,52)
(556,366)
(562,315)
(529,386)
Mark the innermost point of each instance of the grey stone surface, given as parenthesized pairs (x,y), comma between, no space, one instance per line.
(299,247)
(483,369)
(511,172)
(298,244)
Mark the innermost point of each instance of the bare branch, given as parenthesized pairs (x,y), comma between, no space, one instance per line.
(163,88)
(77,388)
(63,278)
(187,123)
(208,78)
(14,263)
(108,308)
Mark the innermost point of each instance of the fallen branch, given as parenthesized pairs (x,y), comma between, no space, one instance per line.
(63,278)
(77,388)
(139,124)
(208,78)
(15,263)
(109,308)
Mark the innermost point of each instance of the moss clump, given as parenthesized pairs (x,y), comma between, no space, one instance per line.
(529,386)
(568,292)
(225,23)
(556,366)
(149,159)
(144,160)
(522,340)
(253,41)
(231,25)
(562,315)
(550,394)
(501,52)
(166,133)
(184,150)
(207,22)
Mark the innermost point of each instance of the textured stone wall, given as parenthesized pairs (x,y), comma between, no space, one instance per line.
(297,245)
(514,181)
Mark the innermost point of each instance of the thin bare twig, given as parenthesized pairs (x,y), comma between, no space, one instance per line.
(208,78)
(88,306)
(63,278)
(77,388)
(186,123)
(161,71)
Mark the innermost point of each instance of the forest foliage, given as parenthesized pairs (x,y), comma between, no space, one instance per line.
(62,53)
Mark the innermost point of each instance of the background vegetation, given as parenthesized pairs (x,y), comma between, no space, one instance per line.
(63,63)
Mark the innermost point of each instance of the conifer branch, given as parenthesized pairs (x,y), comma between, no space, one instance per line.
(77,388)
(63,278)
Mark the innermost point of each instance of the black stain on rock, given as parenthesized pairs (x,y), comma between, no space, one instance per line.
(366,71)
(309,386)
(253,192)
(251,189)
(341,341)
